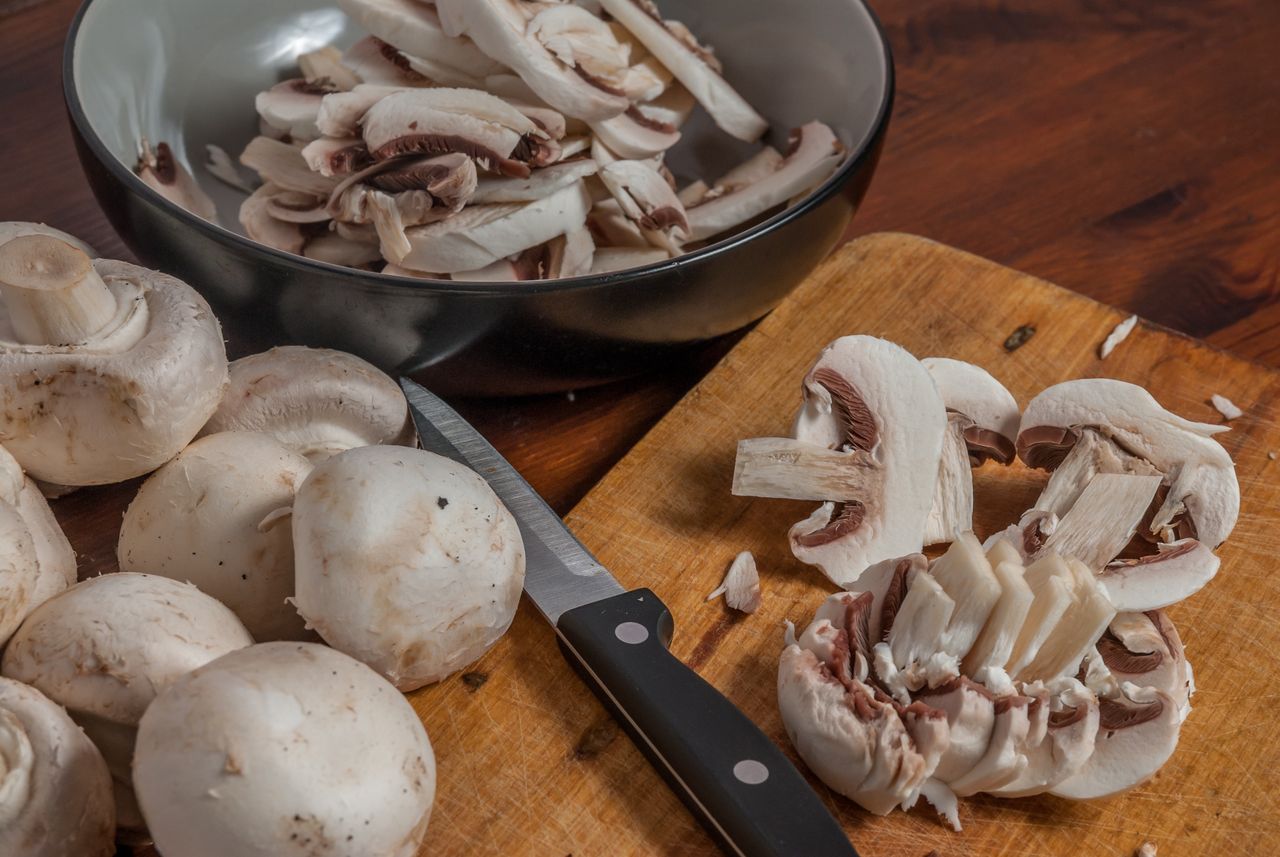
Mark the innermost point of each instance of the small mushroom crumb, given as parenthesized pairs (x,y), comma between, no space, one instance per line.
(474,680)
(1147,849)
(219,165)
(741,586)
(595,739)
(1226,407)
(934,853)
(1273,455)
(1118,335)
(1019,337)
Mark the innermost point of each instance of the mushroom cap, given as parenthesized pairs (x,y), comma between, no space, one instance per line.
(119,407)
(871,394)
(405,560)
(975,393)
(17,229)
(211,517)
(1198,468)
(316,401)
(284,749)
(104,648)
(44,541)
(55,791)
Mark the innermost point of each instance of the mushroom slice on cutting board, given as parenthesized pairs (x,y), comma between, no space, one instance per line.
(500,28)
(1071,729)
(315,401)
(813,155)
(217,516)
(692,65)
(868,441)
(111,368)
(215,747)
(161,171)
(982,424)
(55,790)
(1199,497)
(1144,649)
(406,561)
(104,648)
(1137,733)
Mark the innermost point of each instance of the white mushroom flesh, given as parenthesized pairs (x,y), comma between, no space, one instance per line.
(741,586)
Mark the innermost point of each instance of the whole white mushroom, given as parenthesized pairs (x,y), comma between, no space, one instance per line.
(104,648)
(55,791)
(217,516)
(405,560)
(284,750)
(107,369)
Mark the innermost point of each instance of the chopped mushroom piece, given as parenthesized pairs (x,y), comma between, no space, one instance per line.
(646,198)
(1116,336)
(1137,733)
(414,27)
(161,171)
(1226,407)
(1146,849)
(55,790)
(215,748)
(324,66)
(219,165)
(813,156)
(110,369)
(692,65)
(291,107)
(1103,519)
(741,586)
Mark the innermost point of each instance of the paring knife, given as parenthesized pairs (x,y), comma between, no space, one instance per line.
(734,779)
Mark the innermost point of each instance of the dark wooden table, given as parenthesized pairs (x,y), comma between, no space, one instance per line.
(1127,149)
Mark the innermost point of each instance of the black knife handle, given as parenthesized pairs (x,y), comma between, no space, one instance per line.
(734,779)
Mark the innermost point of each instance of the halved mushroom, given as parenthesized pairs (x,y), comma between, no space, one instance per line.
(691,63)
(435,121)
(480,235)
(406,561)
(982,423)
(315,401)
(104,648)
(217,516)
(414,28)
(1137,733)
(112,368)
(1199,498)
(161,171)
(284,748)
(871,426)
(500,29)
(55,791)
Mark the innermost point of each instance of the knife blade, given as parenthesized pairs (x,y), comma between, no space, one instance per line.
(737,782)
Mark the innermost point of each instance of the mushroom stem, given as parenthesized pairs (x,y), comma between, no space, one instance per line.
(780,467)
(52,293)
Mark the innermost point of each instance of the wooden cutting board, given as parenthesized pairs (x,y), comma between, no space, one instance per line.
(531,765)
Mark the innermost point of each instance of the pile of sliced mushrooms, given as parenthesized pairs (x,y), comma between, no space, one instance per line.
(1040,660)
(498,140)
(190,699)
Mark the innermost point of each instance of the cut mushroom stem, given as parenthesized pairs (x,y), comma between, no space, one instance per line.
(52,292)
(789,469)
(1103,519)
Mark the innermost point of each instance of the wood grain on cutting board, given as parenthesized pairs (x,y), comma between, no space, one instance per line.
(531,765)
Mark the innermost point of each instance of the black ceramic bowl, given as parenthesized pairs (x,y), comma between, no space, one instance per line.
(186,71)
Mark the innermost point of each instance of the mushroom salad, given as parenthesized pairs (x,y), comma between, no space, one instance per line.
(501,140)
(187,700)
(1040,660)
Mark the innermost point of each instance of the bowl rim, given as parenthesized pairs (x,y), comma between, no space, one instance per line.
(376,281)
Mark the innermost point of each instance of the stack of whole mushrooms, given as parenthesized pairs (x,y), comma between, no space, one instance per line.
(1039,661)
(506,140)
(285,506)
